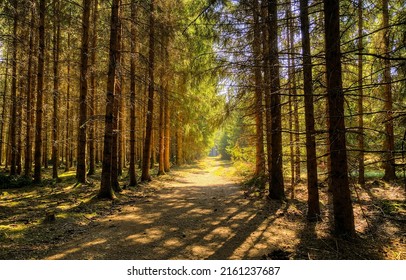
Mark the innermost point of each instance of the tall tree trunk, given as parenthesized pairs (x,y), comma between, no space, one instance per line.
(361,165)
(121,136)
(46,104)
(13,120)
(167,132)
(343,212)
(29,95)
(167,163)
(179,143)
(153,150)
(161,145)
(389,145)
(40,92)
(106,190)
(116,115)
(67,132)
(313,205)
(258,92)
(276,184)
(82,137)
(295,99)
(3,111)
(92,109)
(20,126)
(161,129)
(55,120)
(267,81)
(146,158)
(291,88)
(121,123)
(134,51)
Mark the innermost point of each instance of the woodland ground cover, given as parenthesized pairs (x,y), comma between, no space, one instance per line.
(200,211)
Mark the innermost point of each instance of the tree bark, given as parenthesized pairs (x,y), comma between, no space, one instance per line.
(55,120)
(258,94)
(83,102)
(29,95)
(361,165)
(313,205)
(343,212)
(161,153)
(146,158)
(106,190)
(295,100)
(4,106)
(13,120)
(167,163)
(116,114)
(276,184)
(133,89)
(179,143)
(92,109)
(267,81)
(290,86)
(40,92)
(67,132)
(389,145)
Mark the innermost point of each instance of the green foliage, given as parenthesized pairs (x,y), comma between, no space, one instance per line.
(391,207)
(223,144)
(234,142)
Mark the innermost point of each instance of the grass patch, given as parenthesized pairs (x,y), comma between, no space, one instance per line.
(393,207)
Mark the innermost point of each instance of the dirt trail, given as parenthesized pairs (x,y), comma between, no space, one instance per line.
(200,212)
(193,214)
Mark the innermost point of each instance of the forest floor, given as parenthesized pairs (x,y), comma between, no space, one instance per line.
(200,211)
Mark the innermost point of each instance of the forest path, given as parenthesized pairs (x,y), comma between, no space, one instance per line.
(196,212)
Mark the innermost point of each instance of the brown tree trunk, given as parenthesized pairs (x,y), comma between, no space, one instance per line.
(146,158)
(93,84)
(20,126)
(13,120)
(40,92)
(161,170)
(267,80)
(82,137)
(106,190)
(55,120)
(258,93)
(361,165)
(313,205)
(116,115)
(47,75)
(3,111)
(343,212)
(179,143)
(389,145)
(121,128)
(295,100)
(67,132)
(167,163)
(153,150)
(29,101)
(134,51)
(291,88)
(276,184)
(161,129)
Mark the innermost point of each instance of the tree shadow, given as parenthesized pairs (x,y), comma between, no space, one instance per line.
(179,227)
